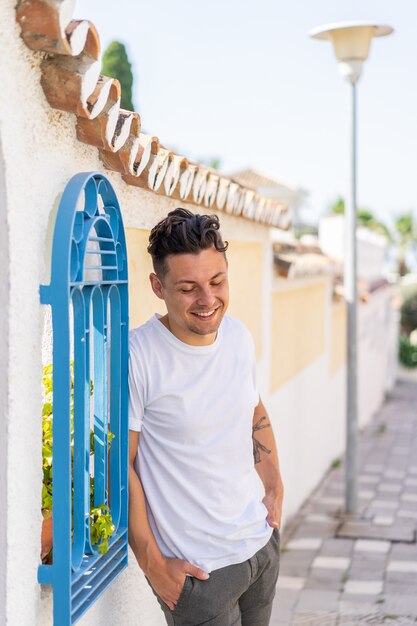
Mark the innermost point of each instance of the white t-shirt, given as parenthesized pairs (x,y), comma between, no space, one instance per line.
(194,407)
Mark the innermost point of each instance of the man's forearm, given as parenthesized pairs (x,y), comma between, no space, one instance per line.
(267,463)
(141,537)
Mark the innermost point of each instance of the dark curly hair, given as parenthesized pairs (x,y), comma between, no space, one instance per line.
(182,232)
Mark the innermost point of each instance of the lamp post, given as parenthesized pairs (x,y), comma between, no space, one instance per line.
(351,42)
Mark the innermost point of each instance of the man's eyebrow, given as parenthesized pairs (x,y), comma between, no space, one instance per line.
(192,282)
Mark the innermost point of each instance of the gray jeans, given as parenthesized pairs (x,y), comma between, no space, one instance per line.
(236,595)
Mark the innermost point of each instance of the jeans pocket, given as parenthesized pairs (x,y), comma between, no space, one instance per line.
(184,592)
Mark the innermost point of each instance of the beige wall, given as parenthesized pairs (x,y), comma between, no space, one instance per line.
(246,262)
(142,301)
(338,337)
(297,333)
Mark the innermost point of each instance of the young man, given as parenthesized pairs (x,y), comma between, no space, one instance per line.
(205,537)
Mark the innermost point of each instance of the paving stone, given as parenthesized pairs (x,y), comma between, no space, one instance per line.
(401,566)
(310,543)
(383,520)
(403,450)
(359,573)
(381,547)
(365,494)
(279,617)
(296,567)
(409,578)
(410,482)
(317,600)
(403,552)
(367,587)
(359,605)
(394,473)
(409,497)
(371,478)
(317,517)
(412,469)
(336,546)
(325,580)
(290,582)
(405,513)
(401,604)
(402,531)
(331,562)
(316,618)
(286,599)
(390,487)
(397,587)
(385,504)
(373,468)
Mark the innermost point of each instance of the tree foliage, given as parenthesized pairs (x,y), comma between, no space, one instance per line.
(116,64)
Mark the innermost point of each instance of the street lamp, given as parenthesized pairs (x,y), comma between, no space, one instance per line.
(351,42)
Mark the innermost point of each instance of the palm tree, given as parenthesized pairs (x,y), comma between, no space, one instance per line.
(405,226)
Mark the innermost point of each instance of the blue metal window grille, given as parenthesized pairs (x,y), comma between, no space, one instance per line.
(88,295)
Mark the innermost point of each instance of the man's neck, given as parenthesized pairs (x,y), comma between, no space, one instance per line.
(191,338)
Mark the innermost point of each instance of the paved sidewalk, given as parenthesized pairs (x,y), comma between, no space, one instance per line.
(364,571)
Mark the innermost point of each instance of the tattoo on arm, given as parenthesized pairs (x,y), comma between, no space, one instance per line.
(257,445)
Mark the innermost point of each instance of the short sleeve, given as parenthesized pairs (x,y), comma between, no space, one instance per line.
(136,393)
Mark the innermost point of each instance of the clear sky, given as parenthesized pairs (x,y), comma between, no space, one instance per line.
(242,81)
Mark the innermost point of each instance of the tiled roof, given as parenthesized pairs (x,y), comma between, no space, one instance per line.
(294,259)
(71,82)
(254,179)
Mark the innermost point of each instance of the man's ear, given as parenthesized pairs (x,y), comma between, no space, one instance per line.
(156,285)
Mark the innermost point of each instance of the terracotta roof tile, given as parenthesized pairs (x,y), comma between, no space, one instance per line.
(294,259)
(71,82)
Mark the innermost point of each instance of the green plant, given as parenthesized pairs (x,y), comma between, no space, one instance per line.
(409,313)
(381,429)
(101,523)
(336,463)
(407,352)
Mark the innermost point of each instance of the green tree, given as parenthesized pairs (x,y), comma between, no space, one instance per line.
(405,226)
(116,64)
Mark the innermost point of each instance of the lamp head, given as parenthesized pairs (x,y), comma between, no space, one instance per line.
(351,42)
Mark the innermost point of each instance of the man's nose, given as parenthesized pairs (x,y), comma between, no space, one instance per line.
(206,297)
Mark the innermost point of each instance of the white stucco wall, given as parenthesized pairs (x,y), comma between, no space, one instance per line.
(4,377)
(377,351)
(371,247)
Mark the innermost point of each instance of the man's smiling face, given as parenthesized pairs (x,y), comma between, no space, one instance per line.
(196,293)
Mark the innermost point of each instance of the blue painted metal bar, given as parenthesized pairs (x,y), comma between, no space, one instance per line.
(99,335)
(80,463)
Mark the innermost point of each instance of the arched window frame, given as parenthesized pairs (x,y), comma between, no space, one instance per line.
(89,276)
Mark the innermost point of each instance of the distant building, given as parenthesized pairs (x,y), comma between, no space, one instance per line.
(371,246)
(270,187)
